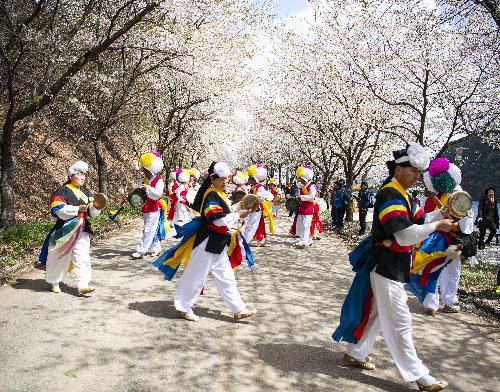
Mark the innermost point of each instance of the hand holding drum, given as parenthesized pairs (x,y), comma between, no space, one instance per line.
(459,205)
(99,201)
(250,202)
(137,198)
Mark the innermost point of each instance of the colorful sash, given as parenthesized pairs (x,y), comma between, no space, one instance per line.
(427,264)
(168,263)
(357,305)
(267,211)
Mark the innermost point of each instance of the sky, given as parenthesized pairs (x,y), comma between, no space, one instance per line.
(287,7)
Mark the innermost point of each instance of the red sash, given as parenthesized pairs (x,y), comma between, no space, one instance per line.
(306,207)
(152,205)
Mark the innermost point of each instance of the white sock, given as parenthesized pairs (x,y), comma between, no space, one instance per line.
(427,380)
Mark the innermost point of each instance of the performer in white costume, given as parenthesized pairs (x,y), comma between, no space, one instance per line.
(450,275)
(210,248)
(152,165)
(69,240)
(307,195)
(183,213)
(254,227)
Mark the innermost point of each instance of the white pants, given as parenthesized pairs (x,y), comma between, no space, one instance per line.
(251,225)
(448,285)
(200,264)
(304,229)
(57,268)
(182,214)
(276,209)
(390,314)
(147,243)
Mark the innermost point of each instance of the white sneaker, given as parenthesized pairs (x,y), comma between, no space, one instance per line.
(155,254)
(136,256)
(55,288)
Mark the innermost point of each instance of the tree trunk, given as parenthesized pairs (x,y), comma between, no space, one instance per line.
(102,166)
(7,178)
(327,176)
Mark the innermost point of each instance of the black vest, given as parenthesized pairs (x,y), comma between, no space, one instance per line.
(393,212)
(216,240)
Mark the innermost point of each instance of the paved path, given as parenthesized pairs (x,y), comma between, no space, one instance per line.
(126,337)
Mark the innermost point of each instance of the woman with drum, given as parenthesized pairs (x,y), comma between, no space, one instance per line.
(255,227)
(307,195)
(183,213)
(67,246)
(210,248)
(442,178)
(152,164)
(239,179)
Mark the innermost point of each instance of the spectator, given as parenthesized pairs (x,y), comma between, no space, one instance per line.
(341,201)
(364,200)
(332,203)
(294,192)
(487,216)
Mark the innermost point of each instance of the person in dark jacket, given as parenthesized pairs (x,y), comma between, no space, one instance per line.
(487,216)
(294,192)
(341,202)
(363,200)
(332,203)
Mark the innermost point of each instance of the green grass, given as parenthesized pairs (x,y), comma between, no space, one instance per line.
(26,239)
(480,280)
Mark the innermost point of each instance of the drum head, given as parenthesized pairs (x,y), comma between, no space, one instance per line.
(137,198)
(238,196)
(459,205)
(100,201)
(292,204)
(250,202)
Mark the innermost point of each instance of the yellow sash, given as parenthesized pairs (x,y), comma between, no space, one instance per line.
(222,194)
(397,186)
(78,193)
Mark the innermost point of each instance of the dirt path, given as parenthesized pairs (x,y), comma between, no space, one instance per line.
(126,337)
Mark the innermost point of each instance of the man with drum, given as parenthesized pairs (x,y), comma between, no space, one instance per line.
(382,270)
(307,195)
(152,165)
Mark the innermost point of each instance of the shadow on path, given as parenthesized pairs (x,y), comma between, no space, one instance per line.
(166,309)
(302,358)
(108,253)
(38,285)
